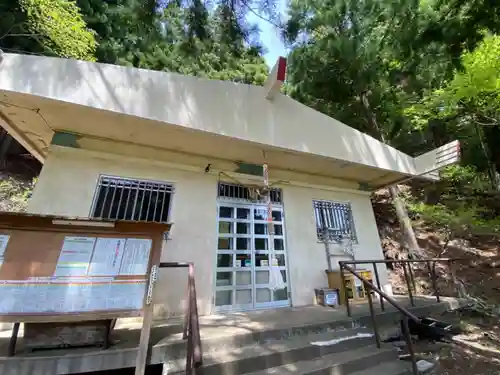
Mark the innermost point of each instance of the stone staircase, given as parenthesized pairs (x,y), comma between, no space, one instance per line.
(282,341)
(342,352)
(319,347)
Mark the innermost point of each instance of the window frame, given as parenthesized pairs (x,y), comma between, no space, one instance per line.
(98,186)
(332,237)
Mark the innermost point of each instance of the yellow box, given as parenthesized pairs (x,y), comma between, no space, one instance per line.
(356,290)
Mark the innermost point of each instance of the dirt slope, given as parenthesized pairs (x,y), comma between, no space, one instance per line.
(17,179)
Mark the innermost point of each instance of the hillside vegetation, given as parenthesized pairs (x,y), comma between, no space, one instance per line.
(412,74)
(17,179)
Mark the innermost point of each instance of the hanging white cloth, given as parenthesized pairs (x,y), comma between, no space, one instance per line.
(276,281)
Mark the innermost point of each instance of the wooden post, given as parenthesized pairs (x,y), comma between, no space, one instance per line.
(13,340)
(147,320)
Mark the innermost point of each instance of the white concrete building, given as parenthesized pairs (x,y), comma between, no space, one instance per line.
(127,143)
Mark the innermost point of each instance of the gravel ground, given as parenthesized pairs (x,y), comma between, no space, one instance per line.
(475,352)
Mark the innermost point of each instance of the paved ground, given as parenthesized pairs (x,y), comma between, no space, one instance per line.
(127,331)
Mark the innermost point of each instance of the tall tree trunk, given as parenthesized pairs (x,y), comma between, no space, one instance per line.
(5,142)
(409,236)
(492,155)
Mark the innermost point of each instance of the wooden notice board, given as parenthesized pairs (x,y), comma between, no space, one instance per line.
(72,269)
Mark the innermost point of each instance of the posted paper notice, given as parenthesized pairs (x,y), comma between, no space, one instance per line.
(4,240)
(107,259)
(136,256)
(75,256)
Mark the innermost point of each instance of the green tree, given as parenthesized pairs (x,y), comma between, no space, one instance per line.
(52,27)
(385,67)
(177,37)
(357,64)
(468,105)
(459,25)
(122,28)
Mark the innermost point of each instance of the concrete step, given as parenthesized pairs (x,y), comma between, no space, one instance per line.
(396,367)
(230,338)
(366,361)
(261,356)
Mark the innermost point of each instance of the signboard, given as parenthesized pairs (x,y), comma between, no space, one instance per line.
(331,298)
(85,279)
(60,270)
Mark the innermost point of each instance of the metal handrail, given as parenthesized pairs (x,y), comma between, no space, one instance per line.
(410,281)
(379,261)
(191,330)
(405,313)
(389,299)
(408,274)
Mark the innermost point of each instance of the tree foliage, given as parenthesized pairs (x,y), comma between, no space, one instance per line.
(468,106)
(183,38)
(415,74)
(52,27)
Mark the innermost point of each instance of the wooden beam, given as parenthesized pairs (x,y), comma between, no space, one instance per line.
(20,136)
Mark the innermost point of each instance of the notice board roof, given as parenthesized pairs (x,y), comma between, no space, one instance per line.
(55,268)
(54,222)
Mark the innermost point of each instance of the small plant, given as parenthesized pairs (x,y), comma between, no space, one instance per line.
(15,194)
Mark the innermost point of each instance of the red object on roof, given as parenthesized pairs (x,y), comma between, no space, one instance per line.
(276,78)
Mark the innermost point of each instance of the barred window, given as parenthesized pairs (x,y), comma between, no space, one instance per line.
(334,220)
(241,192)
(136,200)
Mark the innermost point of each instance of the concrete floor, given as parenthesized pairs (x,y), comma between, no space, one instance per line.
(127,331)
(221,335)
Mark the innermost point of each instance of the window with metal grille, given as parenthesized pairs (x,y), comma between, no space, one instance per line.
(235,191)
(334,220)
(135,200)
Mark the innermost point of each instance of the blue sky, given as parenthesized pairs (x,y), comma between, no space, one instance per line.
(270,37)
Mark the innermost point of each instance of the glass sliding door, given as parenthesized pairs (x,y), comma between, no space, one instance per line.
(243,258)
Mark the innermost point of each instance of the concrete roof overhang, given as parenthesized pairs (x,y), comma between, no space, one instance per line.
(149,114)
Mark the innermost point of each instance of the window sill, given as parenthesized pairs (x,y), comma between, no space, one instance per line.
(339,254)
(355,244)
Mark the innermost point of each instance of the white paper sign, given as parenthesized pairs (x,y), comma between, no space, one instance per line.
(135,256)
(126,296)
(75,256)
(56,297)
(4,240)
(13,296)
(107,258)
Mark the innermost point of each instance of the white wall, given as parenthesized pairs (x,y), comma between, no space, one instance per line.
(67,184)
(66,187)
(307,256)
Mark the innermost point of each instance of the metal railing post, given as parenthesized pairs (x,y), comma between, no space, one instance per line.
(432,271)
(13,339)
(187,315)
(344,287)
(197,354)
(372,315)
(454,279)
(191,329)
(377,279)
(409,344)
(408,284)
(412,277)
